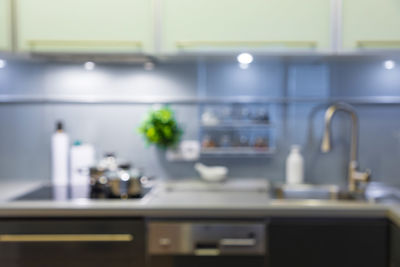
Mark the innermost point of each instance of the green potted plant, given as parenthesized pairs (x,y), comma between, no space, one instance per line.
(160,128)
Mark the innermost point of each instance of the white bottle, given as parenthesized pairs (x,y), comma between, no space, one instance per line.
(81,159)
(59,156)
(294,166)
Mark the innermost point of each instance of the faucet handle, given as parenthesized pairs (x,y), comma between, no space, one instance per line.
(363,176)
(358,177)
(369,173)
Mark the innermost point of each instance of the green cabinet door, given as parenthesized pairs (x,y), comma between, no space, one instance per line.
(371,24)
(5,42)
(253,24)
(85,26)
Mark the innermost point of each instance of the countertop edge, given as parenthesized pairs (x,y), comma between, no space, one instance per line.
(151,211)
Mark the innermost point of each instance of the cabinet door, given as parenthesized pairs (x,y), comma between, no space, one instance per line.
(5,42)
(85,26)
(328,243)
(394,246)
(253,24)
(71,242)
(371,24)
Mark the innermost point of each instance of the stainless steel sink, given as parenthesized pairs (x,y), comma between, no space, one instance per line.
(308,191)
(374,192)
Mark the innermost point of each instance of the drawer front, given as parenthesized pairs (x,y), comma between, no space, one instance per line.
(87,242)
(329,242)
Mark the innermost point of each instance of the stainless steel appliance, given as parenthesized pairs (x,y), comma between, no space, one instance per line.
(176,244)
(111,179)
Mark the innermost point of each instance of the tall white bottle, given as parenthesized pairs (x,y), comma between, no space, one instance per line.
(59,156)
(294,166)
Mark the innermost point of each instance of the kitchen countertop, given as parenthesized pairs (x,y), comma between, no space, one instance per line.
(196,204)
(199,204)
(394,214)
(14,188)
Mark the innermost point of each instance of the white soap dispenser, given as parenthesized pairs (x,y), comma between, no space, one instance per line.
(294,166)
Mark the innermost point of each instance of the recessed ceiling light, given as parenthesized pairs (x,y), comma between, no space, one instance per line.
(89,65)
(3,63)
(245,58)
(389,64)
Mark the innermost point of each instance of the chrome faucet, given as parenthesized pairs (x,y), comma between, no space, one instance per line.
(355,177)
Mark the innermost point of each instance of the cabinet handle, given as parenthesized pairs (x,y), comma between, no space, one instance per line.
(238,242)
(188,44)
(67,238)
(89,43)
(207,252)
(378,43)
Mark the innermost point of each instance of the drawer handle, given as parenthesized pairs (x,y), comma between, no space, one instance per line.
(207,252)
(67,238)
(378,43)
(188,44)
(233,242)
(88,43)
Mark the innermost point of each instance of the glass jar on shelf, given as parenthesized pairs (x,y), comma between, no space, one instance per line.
(261,115)
(225,114)
(225,141)
(260,143)
(209,117)
(208,142)
(241,140)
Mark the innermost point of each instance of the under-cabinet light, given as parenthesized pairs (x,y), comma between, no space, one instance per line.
(245,58)
(389,64)
(3,63)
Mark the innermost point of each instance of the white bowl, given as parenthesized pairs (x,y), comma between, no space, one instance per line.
(211,174)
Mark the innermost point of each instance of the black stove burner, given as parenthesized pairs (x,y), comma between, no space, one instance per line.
(63,193)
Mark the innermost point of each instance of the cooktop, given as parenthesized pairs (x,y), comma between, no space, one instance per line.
(63,193)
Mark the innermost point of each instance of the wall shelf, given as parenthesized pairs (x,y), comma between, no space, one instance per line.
(149,100)
(236,151)
(237,125)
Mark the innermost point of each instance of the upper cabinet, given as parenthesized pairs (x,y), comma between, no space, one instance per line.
(369,24)
(173,26)
(5,40)
(252,24)
(92,26)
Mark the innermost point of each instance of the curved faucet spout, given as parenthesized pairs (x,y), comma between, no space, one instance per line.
(326,144)
(354,176)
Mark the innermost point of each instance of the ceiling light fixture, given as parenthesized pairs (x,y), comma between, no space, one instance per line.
(389,64)
(245,58)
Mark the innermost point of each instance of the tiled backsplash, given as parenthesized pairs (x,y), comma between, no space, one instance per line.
(26,128)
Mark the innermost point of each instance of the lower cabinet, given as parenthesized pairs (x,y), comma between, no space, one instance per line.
(72,242)
(207,261)
(394,246)
(121,242)
(329,242)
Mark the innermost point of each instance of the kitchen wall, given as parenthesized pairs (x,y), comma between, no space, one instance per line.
(26,129)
